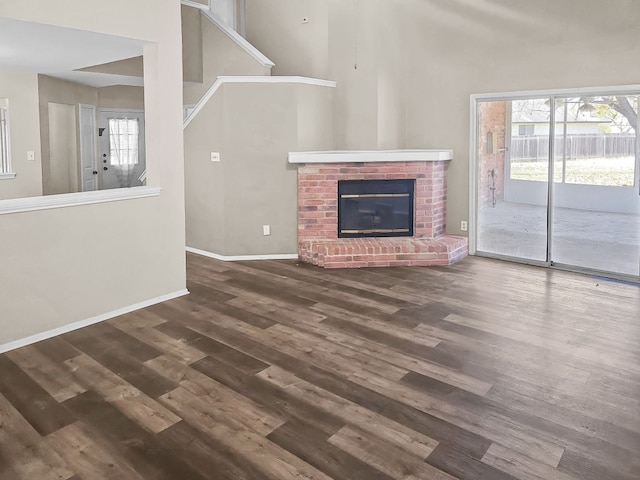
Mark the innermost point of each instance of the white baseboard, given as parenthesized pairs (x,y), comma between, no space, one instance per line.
(90,321)
(241,258)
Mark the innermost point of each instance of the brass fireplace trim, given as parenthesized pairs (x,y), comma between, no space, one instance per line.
(389,230)
(376,195)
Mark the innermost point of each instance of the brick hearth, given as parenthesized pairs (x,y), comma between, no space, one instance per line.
(318,241)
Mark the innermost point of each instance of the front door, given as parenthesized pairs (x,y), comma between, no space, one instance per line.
(122,152)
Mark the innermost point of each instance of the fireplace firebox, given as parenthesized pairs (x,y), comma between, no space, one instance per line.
(375,208)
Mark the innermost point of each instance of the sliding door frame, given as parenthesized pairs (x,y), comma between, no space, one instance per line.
(553,95)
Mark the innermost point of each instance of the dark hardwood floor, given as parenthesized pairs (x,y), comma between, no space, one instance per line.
(485,370)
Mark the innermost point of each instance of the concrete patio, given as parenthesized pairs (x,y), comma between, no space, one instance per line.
(595,240)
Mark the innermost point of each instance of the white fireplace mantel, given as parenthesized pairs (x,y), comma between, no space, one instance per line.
(363,156)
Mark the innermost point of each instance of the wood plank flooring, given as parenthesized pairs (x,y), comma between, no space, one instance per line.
(484,370)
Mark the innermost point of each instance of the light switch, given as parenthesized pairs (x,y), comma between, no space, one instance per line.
(31,156)
(215,156)
(266,230)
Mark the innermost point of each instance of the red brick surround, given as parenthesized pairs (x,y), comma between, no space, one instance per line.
(318,241)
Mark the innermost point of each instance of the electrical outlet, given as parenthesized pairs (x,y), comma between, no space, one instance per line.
(215,156)
(305,20)
(266,230)
(463,225)
(31,156)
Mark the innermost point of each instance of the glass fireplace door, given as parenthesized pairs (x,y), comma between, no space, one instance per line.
(375,208)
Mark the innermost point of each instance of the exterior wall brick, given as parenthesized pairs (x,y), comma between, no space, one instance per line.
(492,119)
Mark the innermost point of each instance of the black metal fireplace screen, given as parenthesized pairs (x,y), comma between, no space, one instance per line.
(375,208)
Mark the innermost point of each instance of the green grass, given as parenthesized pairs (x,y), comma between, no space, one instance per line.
(617,171)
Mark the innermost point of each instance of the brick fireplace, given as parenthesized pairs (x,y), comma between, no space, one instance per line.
(318,239)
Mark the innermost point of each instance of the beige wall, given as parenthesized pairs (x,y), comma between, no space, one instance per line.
(121,96)
(66,265)
(220,56)
(420,60)
(54,90)
(353,60)
(254,127)
(22,91)
(191,45)
(64,171)
(282,29)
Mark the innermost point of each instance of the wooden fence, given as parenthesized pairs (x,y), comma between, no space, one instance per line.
(536,147)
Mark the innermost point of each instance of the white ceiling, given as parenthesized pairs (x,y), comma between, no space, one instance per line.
(58,51)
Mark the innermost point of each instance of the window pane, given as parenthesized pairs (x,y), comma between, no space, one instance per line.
(512,178)
(597,142)
(595,212)
(123,141)
(530,140)
(4,139)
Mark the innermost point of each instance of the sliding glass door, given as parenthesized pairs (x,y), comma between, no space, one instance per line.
(596,202)
(513,168)
(582,209)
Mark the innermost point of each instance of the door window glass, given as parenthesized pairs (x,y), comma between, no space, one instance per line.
(123,141)
(596,140)
(512,172)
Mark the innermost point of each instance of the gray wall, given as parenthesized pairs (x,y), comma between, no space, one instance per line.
(254,127)
(124,97)
(277,28)
(418,61)
(219,56)
(191,45)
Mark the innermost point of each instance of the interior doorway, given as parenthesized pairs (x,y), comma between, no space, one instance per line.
(60,174)
(556,181)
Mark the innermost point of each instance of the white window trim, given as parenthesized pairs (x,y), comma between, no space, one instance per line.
(31,204)
(8,174)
